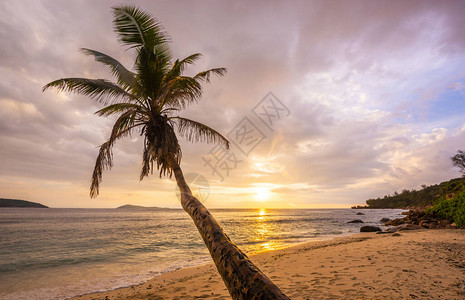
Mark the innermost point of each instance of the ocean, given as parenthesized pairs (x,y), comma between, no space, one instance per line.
(59,253)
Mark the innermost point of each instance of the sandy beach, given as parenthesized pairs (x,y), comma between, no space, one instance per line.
(427,264)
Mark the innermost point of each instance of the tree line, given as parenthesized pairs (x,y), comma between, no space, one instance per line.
(426,196)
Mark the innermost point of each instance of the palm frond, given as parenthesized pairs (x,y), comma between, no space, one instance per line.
(99,89)
(150,69)
(124,77)
(168,110)
(195,131)
(122,128)
(180,92)
(119,108)
(178,67)
(104,161)
(190,59)
(205,75)
(173,72)
(123,125)
(136,28)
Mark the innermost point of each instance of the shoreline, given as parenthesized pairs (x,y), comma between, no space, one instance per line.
(363,265)
(321,239)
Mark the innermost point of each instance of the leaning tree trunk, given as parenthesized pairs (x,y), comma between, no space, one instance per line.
(241,277)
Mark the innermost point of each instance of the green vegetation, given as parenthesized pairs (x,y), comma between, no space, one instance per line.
(19,203)
(446,200)
(427,196)
(452,209)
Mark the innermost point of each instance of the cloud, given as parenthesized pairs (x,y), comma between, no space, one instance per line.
(364,81)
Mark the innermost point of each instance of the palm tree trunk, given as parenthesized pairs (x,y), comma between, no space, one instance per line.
(241,277)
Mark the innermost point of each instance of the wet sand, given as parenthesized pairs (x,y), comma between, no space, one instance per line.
(425,264)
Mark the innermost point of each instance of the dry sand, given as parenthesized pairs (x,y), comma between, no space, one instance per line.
(426,264)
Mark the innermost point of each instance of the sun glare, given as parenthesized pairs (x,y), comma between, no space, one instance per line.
(262,193)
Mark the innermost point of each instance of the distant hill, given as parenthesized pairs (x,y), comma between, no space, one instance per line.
(138,207)
(426,196)
(19,203)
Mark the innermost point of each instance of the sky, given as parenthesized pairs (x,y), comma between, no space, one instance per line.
(364,98)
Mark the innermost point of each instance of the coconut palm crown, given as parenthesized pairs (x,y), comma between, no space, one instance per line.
(147,99)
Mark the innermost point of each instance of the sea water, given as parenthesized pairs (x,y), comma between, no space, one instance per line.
(58,253)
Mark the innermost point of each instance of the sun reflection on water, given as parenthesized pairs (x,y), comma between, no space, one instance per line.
(264,232)
(269,246)
(261,214)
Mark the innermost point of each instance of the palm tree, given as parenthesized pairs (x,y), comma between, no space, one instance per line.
(146,101)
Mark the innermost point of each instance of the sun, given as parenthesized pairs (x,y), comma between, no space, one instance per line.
(262,193)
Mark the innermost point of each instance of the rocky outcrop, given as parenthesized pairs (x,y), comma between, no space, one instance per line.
(395,222)
(370,229)
(423,219)
(356,221)
(405,227)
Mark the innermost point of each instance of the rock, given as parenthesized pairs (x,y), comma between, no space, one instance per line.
(444,223)
(427,225)
(396,234)
(392,229)
(410,227)
(421,217)
(384,220)
(360,214)
(370,229)
(356,221)
(405,227)
(397,222)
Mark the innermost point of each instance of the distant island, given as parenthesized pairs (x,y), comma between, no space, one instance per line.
(138,207)
(20,203)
